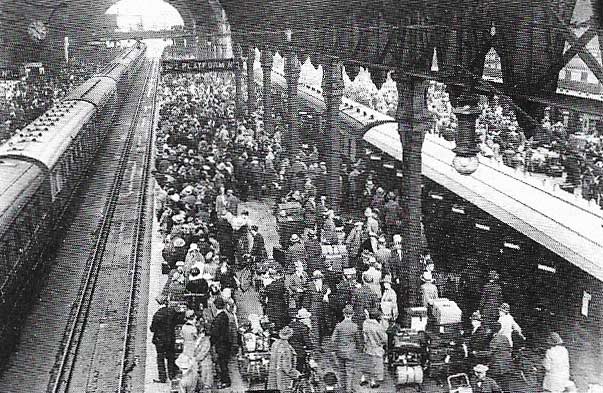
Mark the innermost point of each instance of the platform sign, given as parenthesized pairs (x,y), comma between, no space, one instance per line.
(201,66)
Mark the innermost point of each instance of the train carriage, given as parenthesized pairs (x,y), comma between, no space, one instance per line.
(40,169)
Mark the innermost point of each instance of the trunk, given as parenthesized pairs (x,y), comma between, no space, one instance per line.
(413,122)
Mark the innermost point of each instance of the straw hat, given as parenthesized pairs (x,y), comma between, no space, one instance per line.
(317,275)
(505,307)
(285,333)
(302,313)
(480,368)
(294,238)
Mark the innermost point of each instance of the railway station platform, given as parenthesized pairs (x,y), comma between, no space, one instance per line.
(260,213)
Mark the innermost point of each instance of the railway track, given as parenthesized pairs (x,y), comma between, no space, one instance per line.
(96,353)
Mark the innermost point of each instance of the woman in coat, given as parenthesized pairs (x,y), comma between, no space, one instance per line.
(204,360)
(556,365)
(189,333)
(282,371)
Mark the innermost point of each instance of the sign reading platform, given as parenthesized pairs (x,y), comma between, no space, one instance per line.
(214,65)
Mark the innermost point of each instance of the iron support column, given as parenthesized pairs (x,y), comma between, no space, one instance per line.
(332,92)
(238,83)
(292,70)
(251,96)
(266,60)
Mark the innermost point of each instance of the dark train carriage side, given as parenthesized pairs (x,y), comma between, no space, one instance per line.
(24,227)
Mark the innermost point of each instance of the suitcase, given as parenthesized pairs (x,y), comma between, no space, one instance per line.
(446,312)
(406,337)
(416,318)
(406,375)
(291,208)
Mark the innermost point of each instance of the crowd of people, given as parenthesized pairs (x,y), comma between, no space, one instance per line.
(208,162)
(25,99)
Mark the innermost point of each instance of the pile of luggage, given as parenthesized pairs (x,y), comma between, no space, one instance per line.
(444,332)
(337,255)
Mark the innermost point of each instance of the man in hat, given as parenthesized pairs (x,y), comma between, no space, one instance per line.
(295,285)
(476,341)
(501,359)
(391,214)
(556,365)
(221,342)
(310,212)
(232,203)
(491,299)
(353,242)
(383,253)
(301,341)
(398,268)
(428,290)
(198,287)
(329,229)
(342,295)
(375,339)
(258,246)
(346,344)
(363,300)
(277,306)
(282,369)
(296,252)
(162,326)
(481,383)
(507,322)
(313,251)
(316,301)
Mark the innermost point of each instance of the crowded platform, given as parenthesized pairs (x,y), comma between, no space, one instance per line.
(346,319)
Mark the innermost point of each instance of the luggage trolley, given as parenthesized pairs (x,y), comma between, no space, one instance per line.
(406,357)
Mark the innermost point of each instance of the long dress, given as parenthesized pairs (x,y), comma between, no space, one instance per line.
(189,335)
(204,363)
(282,371)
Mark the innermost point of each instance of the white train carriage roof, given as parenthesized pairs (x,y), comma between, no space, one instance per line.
(95,90)
(19,180)
(49,136)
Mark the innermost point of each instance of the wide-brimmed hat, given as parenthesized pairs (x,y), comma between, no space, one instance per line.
(358,223)
(285,333)
(349,271)
(311,232)
(302,313)
(193,246)
(554,339)
(294,238)
(179,219)
(348,310)
(317,275)
(427,277)
(184,362)
(476,316)
(480,368)
(179,242)
(505,307)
